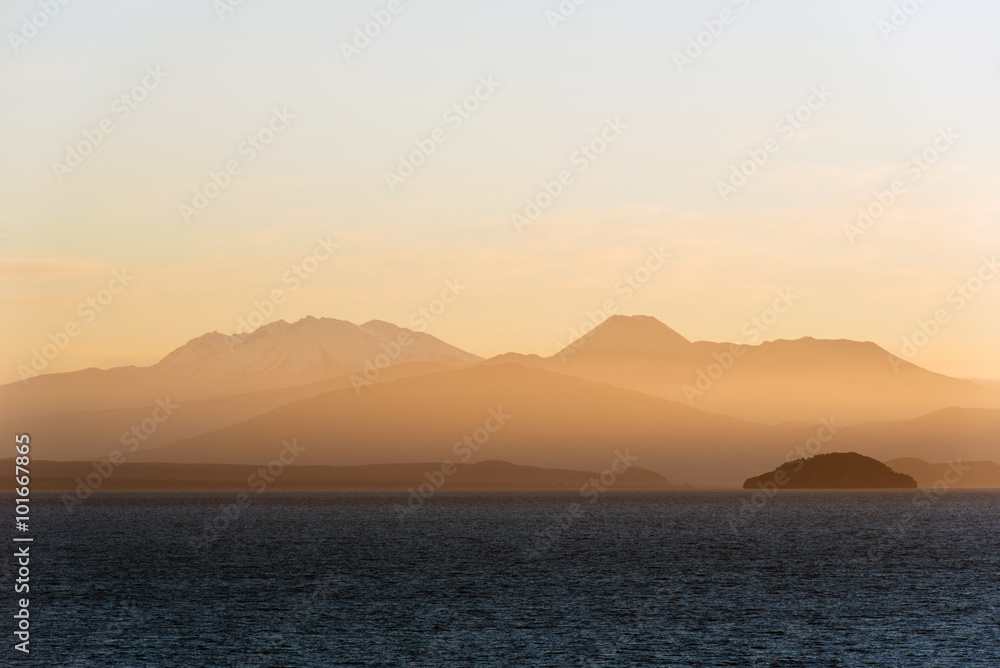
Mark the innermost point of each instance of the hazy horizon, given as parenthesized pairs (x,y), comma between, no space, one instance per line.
(535,333)
(576,334)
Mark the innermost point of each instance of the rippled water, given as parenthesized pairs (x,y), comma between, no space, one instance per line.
(658,579)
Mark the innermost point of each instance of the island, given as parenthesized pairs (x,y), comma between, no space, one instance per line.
(838,470)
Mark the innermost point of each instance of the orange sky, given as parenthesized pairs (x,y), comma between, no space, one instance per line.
(593,123)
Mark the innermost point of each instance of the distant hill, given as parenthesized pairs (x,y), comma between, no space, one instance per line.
(557,421)
(953,433)
(554,421)
(65,476)
(838,470)
(93,434)
(277,355)
(773,382)
(625,385)
(957,474)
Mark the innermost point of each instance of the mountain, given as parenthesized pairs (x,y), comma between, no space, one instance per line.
(277,355)
(67,476)
(837,470)
(386,395)
(630,336)
(548,420)
(93,434)
(945,435)
(312,349)
(558,421)
(774,382)
(957,474)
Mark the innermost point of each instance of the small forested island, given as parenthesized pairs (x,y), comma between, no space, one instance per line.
(839,470)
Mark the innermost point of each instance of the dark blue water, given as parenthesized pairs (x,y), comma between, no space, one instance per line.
(514,579)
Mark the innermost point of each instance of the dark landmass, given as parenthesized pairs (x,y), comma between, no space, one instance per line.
(839,470)
(495,475)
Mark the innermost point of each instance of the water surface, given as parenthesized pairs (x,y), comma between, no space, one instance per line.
(679,578)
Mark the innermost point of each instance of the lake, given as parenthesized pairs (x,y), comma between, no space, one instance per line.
(674,578)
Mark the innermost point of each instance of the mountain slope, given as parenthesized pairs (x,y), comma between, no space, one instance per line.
(276,355)
(947,435)
(957,474)
(94,434)
(774,382)
(549,420)
(282,354)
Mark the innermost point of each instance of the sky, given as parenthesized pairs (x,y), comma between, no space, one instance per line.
(174,168)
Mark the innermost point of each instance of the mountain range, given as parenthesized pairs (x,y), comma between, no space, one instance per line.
(703,413)
(776,381)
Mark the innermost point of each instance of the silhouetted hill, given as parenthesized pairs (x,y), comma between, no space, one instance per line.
(93,434)
(65,476)
(554,421)
(624,385)
(838,470)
